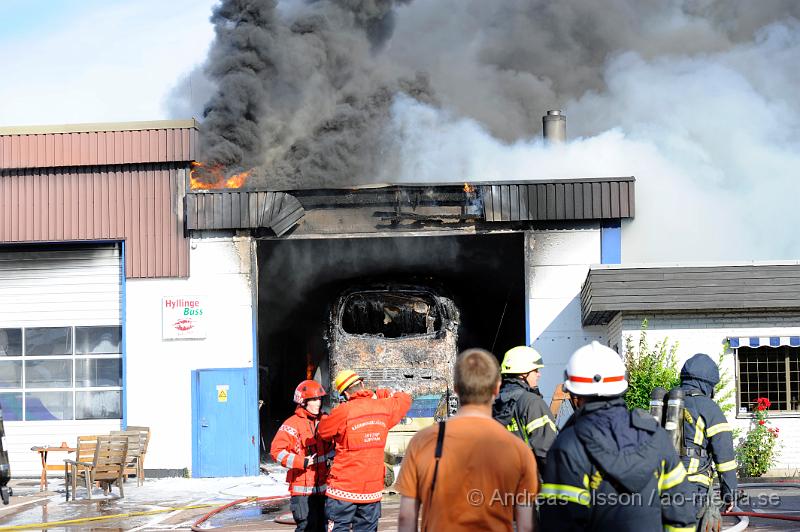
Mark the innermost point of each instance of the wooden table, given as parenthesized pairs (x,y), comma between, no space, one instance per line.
(43,451)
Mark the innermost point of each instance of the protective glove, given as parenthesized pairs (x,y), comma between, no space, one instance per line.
(308,460)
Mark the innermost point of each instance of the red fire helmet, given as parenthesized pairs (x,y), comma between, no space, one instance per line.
(308,390)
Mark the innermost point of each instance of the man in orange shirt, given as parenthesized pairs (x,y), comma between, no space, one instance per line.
(469,473)
(359,427)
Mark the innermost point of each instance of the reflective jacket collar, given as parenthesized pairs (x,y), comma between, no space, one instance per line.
(593,406)
(695,387)
(305,414)
(514,383)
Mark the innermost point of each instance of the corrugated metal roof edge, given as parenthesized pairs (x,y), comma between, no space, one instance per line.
(99,127)
(689,264)
(459,184)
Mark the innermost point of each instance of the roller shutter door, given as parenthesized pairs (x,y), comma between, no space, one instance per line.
(60,346)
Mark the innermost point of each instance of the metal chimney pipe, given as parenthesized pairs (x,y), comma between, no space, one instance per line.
(554,127)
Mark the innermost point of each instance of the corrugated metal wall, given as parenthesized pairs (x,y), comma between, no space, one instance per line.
(84,148)
(141,204)
(234,210)
(574,199)
(121,181)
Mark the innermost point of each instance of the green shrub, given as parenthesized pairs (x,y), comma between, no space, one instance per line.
(648,368)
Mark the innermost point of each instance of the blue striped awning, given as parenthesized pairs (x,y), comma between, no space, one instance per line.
(763,341)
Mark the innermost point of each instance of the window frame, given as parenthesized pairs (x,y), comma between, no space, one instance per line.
(73,357)
(787,384)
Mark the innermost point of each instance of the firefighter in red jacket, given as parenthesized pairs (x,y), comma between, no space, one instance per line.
(297,447)
(359,427)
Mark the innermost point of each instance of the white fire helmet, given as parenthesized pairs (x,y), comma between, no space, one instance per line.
(595,370)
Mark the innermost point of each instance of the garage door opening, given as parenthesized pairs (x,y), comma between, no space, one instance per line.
(302,281)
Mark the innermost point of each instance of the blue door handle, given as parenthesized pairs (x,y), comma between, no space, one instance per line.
(203,423)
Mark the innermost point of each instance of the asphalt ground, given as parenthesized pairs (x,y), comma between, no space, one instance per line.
(29,507)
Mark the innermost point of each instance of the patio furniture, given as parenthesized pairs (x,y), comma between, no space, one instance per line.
(85,449)
(144,433)
(43,453)
(106,467)
(136,442)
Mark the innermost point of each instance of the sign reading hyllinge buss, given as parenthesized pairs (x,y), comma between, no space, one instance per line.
(182,317)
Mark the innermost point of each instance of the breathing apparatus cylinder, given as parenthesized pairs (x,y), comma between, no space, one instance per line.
(5,469)
(657,404)
(673,419)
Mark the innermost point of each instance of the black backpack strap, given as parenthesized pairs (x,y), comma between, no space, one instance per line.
(437,455)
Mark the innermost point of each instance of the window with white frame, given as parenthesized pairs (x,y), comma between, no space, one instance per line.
(771,372)
(61,373)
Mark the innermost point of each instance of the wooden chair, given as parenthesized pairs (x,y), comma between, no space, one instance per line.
(84,454)
(144,435)
(107,467)
(560,406)
(135,444)
(559,396)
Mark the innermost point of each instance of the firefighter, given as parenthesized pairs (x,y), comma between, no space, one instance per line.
(297,447)
(707,439)
(611,468)
(359,427)
(520,407)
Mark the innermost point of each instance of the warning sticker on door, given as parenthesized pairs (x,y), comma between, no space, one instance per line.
(222,393)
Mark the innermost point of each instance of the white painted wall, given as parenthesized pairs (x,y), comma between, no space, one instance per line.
(557,263)
(706,333)
(159,371)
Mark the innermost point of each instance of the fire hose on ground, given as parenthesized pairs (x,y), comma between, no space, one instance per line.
(126,515)
(744,517)
(196,526)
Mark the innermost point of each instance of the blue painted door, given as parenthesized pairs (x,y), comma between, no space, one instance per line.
(224,423)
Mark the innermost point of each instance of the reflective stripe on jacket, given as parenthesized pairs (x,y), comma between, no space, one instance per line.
(708,441)
(295,440)
(523,412)
(611,469)
(359,428)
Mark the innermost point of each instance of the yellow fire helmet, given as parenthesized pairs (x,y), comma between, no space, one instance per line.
(520,360)
(344,379)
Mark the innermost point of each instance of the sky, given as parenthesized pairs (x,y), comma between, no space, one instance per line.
(80,61)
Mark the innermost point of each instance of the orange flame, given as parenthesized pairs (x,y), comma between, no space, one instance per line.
(469,189)
(309,367)
(217,172)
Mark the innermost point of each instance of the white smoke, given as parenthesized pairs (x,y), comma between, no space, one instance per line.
(713,139)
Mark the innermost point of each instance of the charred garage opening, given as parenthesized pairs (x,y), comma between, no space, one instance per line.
(318,296)
(393,280)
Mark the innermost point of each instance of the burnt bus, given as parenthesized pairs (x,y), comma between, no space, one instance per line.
(402,337)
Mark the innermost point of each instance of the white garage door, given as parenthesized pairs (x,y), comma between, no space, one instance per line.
(60,346)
